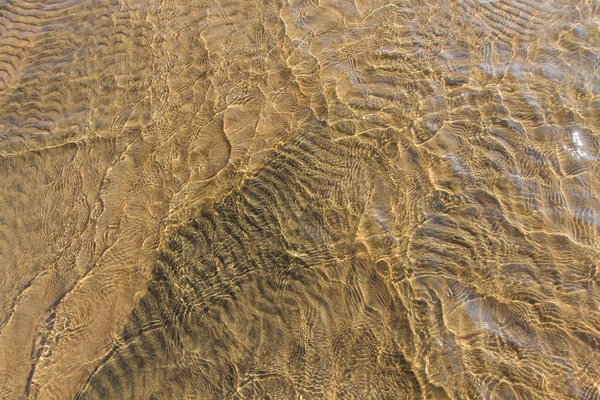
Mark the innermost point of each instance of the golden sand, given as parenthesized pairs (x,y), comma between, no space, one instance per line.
(241,199)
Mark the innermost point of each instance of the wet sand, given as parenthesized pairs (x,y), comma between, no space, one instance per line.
(299,199)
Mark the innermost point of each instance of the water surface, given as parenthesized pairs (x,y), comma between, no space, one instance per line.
(299,199)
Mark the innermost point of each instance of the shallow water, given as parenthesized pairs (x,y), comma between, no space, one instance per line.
(299,199)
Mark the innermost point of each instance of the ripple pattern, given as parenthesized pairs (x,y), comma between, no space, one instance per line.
(299,199)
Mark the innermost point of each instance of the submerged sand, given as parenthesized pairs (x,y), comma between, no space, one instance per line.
(299,199)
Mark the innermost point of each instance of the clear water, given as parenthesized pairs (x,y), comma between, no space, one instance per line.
(299,199)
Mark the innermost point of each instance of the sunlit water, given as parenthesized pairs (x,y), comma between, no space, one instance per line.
(299,199)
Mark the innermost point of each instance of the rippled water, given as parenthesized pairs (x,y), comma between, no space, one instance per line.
(300,199)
